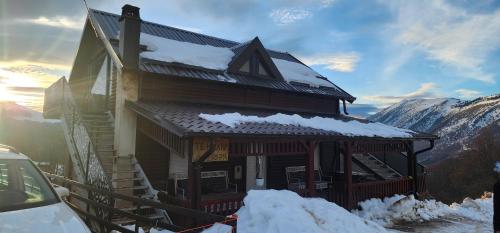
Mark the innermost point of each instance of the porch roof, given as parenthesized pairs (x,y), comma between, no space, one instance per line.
(184,120)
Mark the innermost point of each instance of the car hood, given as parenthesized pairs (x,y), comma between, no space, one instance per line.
(56,218)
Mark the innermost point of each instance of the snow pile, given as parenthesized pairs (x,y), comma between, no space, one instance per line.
(348,128)
(99,87)
(163,49)
(479,209)
(400,208)
(285,211)
(296,72)
(219,228)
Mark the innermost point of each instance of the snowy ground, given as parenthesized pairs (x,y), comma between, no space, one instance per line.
(273,211)
(405,214)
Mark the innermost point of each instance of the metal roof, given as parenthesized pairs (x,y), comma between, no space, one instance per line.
(187,72)
(184,119)
(110,26)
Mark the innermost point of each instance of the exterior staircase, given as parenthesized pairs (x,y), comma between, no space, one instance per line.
(379,168)
(101,131)
(126,174)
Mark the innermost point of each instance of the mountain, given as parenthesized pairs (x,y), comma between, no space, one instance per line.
(456,122)
(17,112)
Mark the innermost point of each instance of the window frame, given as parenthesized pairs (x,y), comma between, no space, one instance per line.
(51,201)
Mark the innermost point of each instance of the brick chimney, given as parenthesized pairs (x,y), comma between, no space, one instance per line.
(130,32)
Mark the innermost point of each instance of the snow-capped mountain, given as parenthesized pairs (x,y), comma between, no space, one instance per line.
(453,120)
(17,112)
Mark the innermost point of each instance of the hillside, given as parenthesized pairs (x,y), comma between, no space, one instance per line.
(42,140)
(456,122)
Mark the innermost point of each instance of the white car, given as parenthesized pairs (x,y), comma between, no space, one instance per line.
(28,202)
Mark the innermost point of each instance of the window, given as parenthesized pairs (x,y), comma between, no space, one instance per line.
(22,186)
(254,66)
(262,70)
(245,67)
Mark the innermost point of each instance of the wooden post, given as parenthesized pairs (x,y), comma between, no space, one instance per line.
(190,188)
(412,160)
(348,173)
(310,168)
(197,186)
(414,172)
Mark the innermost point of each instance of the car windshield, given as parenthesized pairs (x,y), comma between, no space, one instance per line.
(23,186)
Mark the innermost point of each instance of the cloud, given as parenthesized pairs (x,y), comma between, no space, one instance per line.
(284,16)
(456,38)
(342,62)
(58,21)
(467,93)
(426,90)
(24,81)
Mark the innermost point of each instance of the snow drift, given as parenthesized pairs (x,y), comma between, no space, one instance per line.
(400,208)
(285,211)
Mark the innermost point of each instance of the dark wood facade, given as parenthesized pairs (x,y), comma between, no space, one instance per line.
(209,92)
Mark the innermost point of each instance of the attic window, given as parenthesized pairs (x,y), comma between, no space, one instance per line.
(254,66)
(245,67)
(262,70)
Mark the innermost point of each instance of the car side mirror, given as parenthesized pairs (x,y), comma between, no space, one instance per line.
(62,191)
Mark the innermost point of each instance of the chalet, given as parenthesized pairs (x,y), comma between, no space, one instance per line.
(197,121)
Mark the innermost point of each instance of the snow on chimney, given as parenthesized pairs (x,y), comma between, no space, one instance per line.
(130,31)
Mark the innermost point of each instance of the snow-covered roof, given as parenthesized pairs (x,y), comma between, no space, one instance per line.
(218,58)
(99,87)
(297,72)
(161,39)
(194,120)
(348,128)
(167,50)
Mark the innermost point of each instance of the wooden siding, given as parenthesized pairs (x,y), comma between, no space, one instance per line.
(154,159)
(213,93)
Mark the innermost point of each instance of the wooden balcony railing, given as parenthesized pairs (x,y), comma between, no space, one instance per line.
(375,189)
(381,189)
(222,206)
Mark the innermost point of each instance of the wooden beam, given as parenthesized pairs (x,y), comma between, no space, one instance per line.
(412,169)
(310,168)
(348,173)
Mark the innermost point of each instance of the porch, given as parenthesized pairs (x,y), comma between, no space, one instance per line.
(212,171)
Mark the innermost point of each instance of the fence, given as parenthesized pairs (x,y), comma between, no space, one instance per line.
(106,225)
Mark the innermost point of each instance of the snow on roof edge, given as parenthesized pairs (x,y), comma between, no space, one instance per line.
(348,128)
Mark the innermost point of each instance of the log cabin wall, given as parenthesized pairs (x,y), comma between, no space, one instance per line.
(199,91)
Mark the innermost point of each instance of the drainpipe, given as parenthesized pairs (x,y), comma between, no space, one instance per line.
(426,149)
(415,179)
(345,107)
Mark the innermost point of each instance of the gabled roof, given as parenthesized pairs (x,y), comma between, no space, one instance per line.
(244,51)
(107,25)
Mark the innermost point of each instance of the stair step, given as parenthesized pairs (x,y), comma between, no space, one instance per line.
(129,171)
(128,179)
(123,221)
(139,187)
(146,196)
(133,208)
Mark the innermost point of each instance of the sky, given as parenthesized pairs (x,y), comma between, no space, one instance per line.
(379,51)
